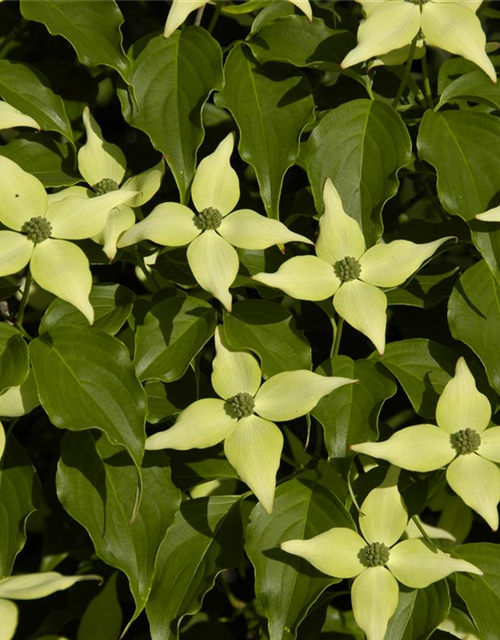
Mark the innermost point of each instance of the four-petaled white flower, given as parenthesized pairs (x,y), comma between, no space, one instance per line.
(103,165)
(244,417)
(215,231)
(451,25)
(30,586)
(180,10)
(461,438)
(42,224)
(345,269)
(375,560)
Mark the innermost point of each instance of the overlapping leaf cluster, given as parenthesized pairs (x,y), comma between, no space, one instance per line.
(205,187)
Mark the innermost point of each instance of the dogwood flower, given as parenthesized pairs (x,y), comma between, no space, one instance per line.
(492,215)
(375,560)
(180,10)
(244,414)
(451,25)
(345,269)
(12,117)
(42,225)
(215,231)
(461,438)
(103,165)
(30,586)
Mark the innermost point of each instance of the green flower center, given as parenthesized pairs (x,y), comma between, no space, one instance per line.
(375,554)
(347,269)
(37,229)
(417,1)
(209,218)
(105,186)
(241,405)
(465,441)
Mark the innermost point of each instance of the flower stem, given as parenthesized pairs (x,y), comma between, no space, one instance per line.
(406,74)
(338,335)
(215,18)
(423,532)
(427,84)
(24,298)
(199,15)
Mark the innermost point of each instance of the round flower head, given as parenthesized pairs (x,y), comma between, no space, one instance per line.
(214,231)
(41,226)
(347,270)
(375,560)
(451,25)
(243,416)
(461,441)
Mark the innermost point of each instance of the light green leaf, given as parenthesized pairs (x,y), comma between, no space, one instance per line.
(86,380)
(97,487)
(25,88)
(423,367)
(93,29)
(268,330)
(287,586)
(474,318)
(172,333)
(19,496)
(361,146)
(204,540)
(168,92)
(112,304)
(350,415)
(271,106)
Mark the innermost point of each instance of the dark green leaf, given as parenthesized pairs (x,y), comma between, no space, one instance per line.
(193,467)
(204,540)
(172,334)
(287,585)
(475,87)
(424,291)
(168,93)
(112,305)
(350,414)
(271,106)
(474,317)
(98,487)
(481,594)
(19,496)
(423,368)
(103,616)
(14,361)
(165,400)
(92,28)
(51,161)
(86,380)
(28,90)
(269,331)
(361,146)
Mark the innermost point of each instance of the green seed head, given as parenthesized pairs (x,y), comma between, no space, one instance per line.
(241,405)
(105,186)
(375,554)
(347,269)
(209,218)
(465,441)
(417,1)
(37,229)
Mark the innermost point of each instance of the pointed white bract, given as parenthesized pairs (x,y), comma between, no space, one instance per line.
(244,415)
(377,560)
(214,231)
(12,117)
(347,270)
(461,440)
(391,25)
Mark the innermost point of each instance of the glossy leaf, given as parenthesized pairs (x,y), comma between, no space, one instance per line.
(85,380)
(424,291)
(361,146)
(98,487)
(350,415)
(474,87)
(271,106)
(168,93)
(172,334)
(165,400)
(423,367)
(268,330)
(112,304)
(14,362)
(287,586)
(204,540)
(92,29)
(19,496)
(28,90)
(474,318)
